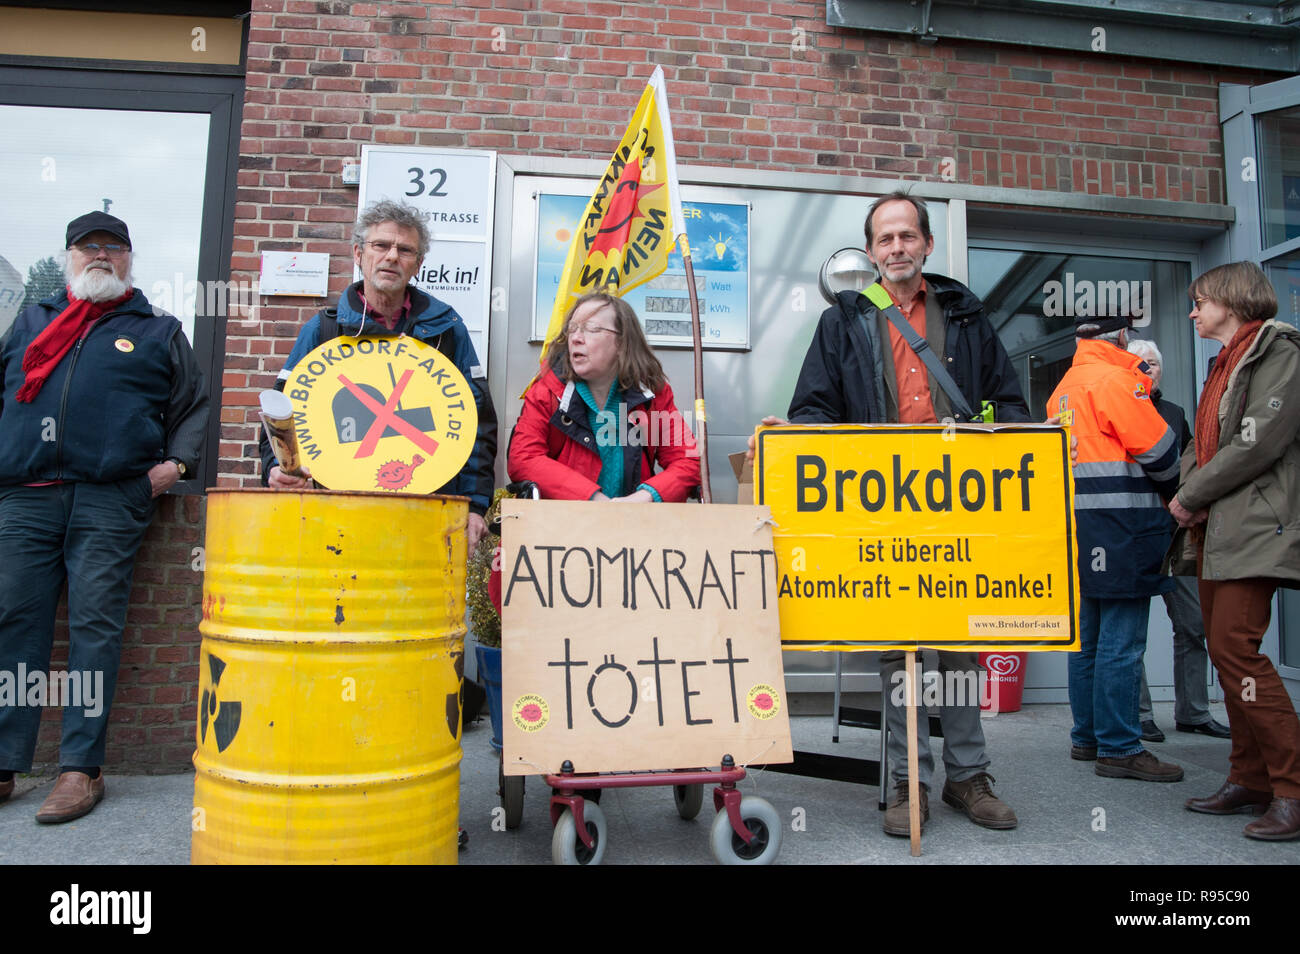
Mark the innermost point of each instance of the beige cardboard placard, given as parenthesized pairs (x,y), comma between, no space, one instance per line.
(639,636)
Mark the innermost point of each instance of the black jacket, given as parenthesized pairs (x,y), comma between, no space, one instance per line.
(1174,417)
(127,396)
(843,375)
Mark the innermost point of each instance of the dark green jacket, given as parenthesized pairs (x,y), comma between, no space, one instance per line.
(1252,484)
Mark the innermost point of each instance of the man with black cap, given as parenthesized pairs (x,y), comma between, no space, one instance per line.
(1125,473)
(102,408)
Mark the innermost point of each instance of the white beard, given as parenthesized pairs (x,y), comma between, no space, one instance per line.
(98,284)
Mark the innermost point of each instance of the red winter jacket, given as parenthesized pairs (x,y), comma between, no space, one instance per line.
(554,445)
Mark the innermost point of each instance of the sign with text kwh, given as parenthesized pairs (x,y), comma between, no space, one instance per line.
(639,636)
(899,536)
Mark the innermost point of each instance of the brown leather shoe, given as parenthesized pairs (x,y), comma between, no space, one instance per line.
(1143,766)
(74,795)
(1280,823)
(897,819)
(1231,799)
(6,789)
(974,798)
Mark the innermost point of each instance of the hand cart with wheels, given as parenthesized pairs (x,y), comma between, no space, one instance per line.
(745,831)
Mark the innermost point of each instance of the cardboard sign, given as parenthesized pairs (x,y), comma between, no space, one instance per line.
(899,537)
(639,636)
(376,413)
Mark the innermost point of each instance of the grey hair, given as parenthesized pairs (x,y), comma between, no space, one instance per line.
(1143,347)
(1089,331)
(400,214)
(899,195)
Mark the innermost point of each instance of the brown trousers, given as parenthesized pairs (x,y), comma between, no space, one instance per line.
(1265,731)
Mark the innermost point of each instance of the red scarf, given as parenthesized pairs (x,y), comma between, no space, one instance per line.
(1207,413)
(51,345)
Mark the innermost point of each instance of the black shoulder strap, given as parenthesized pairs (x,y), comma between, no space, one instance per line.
(880,298)
(329,324)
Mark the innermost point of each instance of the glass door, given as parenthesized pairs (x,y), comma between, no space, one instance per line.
(158,150)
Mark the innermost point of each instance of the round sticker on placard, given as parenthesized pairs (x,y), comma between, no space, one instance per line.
(530,712)
(376,413)
(763,701)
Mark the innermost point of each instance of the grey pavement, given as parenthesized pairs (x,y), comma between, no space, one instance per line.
(1067,814)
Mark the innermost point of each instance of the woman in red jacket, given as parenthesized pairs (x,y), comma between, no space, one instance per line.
(601,416)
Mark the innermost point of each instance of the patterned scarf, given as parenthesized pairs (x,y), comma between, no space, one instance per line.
(1207,413)
(51,345)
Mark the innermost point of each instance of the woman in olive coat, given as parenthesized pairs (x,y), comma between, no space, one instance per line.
(1240,497)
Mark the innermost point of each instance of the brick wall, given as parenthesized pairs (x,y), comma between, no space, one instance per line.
(153,716)
(758,84)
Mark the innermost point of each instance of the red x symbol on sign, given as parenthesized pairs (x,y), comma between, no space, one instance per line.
(385,418)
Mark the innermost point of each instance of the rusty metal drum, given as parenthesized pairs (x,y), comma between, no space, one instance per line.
(330,671)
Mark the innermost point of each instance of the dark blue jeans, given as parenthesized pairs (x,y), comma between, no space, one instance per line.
(87,534)
(1105,675)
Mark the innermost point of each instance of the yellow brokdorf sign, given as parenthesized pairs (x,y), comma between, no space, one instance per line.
(900,536)
(376,413)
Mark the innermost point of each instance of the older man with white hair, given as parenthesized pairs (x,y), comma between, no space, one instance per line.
(102,408)
(1191,662)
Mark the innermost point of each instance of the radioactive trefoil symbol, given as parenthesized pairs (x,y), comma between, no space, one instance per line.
(224,716)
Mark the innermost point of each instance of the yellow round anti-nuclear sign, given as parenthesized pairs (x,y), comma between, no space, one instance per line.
(382,414)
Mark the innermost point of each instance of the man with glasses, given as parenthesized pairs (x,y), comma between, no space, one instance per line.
(388,244)
(102,409)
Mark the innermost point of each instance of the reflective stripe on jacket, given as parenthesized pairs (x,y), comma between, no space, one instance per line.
(1126,469)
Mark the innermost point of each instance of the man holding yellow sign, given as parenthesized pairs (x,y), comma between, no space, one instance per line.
(914,349)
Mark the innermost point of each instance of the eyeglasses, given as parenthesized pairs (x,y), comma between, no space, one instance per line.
(93,248)
(1200,301)
(383,248)
(586,328)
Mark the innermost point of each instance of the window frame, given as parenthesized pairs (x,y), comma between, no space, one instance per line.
(221,98)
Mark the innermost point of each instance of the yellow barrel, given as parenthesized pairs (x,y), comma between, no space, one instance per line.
(333,647)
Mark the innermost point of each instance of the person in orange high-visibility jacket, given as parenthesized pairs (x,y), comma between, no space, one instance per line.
(1125,472)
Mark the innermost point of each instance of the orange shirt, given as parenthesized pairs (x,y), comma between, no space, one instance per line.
(914,403)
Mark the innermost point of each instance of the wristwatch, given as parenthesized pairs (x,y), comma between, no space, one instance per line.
(180,466)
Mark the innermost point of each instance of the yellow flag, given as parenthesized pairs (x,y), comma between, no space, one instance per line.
(634,217)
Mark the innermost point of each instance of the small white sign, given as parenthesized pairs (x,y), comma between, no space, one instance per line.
(295,273)
(457,188)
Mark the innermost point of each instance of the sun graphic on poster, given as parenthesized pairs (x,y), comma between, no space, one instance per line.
(557,229)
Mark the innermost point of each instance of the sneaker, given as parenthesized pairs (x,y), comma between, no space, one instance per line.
(1143,766)
(897,819)
(974,797)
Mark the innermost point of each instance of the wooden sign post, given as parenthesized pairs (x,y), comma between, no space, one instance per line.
(952,537)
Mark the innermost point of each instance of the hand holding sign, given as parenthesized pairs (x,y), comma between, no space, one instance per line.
(378,413)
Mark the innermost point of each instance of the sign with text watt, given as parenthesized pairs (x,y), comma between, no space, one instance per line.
(903,536)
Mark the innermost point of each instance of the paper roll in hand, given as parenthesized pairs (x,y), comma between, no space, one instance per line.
(277,418)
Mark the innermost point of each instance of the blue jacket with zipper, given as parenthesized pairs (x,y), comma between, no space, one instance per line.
(128,395)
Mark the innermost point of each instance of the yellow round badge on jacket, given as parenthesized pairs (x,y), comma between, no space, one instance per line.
(124,345)
(383,414)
